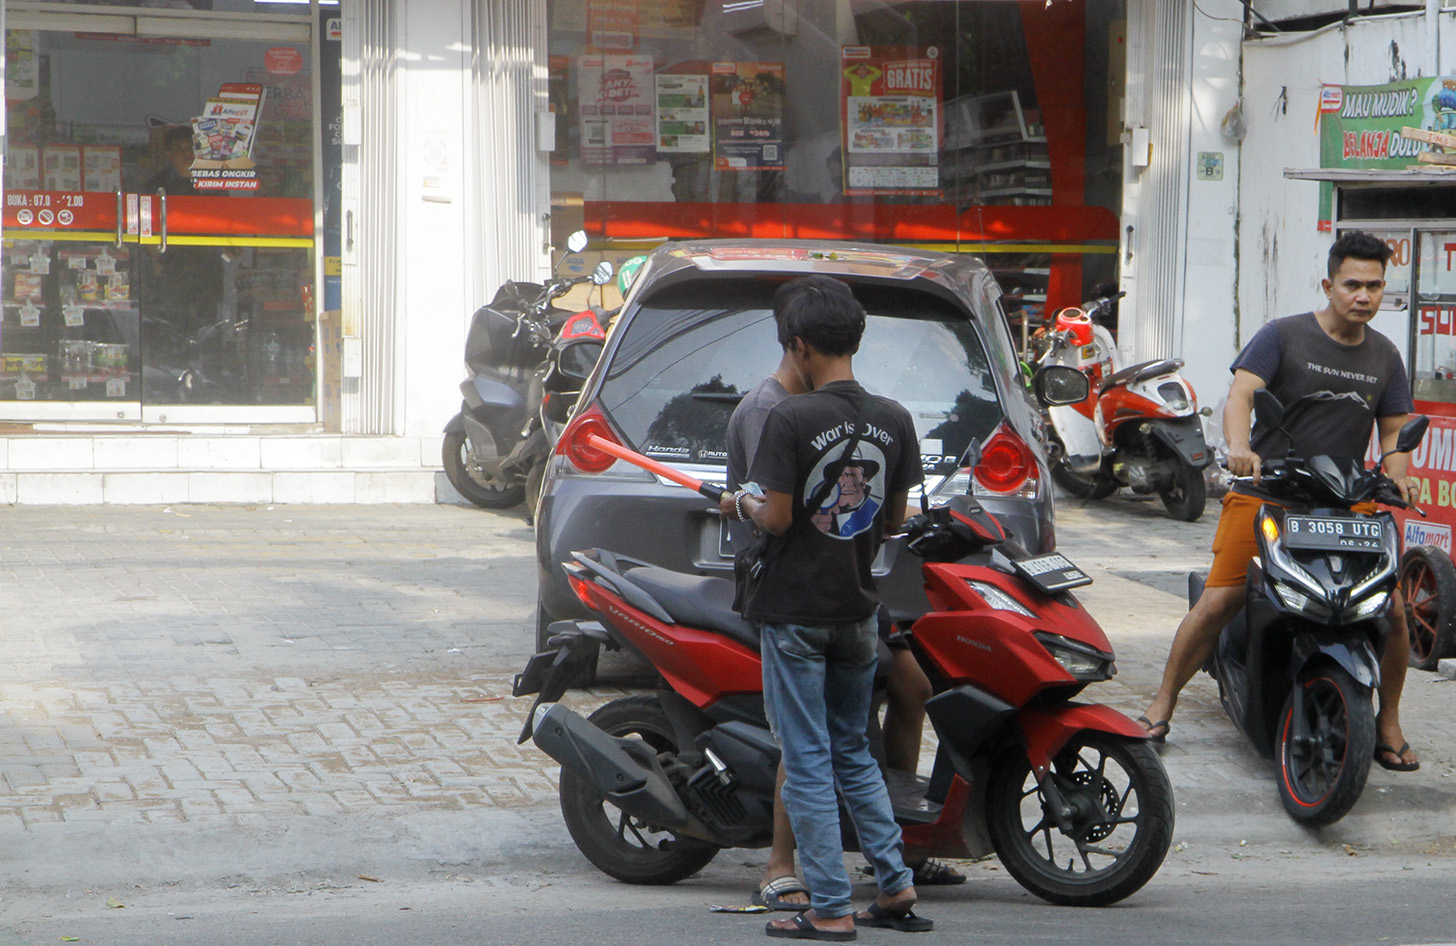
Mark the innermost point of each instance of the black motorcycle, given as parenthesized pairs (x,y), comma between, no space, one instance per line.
(495,447)
(1297,668)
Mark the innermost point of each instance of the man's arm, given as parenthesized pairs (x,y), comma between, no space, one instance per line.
(895,512)
(773,514)
(1238,422)
(1397,463)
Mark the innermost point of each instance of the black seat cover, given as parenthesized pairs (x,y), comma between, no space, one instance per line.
(1146,369)
(695,601)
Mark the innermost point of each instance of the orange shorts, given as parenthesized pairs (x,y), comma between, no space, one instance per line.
(1235,544)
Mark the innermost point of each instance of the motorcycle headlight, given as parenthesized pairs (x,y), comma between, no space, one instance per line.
(999,599)
(1367,608)
(1080,661)
(1299,602)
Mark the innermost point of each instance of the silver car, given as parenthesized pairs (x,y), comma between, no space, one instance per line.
(696,333)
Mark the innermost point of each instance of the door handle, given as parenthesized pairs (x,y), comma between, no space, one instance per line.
(119,216)
(162,196)
(349,230)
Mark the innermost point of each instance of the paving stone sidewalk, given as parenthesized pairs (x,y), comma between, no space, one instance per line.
(203,692)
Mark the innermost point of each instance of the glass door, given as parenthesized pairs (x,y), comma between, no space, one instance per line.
(158,252)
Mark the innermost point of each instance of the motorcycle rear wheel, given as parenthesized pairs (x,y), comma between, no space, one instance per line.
(1187,496)
(1082,486)
(481,490)
(617,844)
(1322,773)
(1120,831)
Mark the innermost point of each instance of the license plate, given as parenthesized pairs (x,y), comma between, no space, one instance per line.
(1335,535)
(1051,573)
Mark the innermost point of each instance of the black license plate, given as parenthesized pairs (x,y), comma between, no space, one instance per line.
(1334,535)
(1052,573)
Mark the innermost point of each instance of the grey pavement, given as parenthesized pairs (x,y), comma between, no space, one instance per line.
(290,701)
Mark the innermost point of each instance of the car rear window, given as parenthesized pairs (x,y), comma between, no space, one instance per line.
(690,352)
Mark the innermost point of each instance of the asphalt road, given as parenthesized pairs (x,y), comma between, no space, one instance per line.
(253,725)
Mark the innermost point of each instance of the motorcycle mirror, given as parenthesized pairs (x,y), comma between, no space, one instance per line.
(1058,385)
(576,359)
(1268,407)
(602,274)
(576,242)
(1410,435)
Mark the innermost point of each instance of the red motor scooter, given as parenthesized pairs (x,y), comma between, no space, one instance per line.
(1069,795)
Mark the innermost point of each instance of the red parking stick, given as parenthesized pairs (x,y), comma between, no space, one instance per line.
(708,490)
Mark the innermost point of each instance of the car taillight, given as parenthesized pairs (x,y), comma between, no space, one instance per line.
(573,443)
(1007,465)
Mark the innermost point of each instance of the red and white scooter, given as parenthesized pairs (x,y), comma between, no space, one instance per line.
(1139,426)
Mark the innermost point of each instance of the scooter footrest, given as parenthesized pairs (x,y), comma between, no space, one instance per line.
(907,796)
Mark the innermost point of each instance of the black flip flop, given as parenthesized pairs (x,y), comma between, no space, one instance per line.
(1400,766)
(1149,725)
(804,928)
(905,920)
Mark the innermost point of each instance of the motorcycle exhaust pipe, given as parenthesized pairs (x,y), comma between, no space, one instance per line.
(625,771)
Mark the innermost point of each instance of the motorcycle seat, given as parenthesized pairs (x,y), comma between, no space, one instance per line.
(1142,372)
(695,601)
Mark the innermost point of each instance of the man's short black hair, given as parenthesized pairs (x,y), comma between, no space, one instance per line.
(822,311)
(1357,244)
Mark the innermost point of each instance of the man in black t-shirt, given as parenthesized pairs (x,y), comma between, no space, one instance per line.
(816,606)
(1336,378)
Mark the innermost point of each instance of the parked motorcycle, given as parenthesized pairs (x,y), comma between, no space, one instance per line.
(1296,669)
(1139,426)
(495,447)
(1069,795)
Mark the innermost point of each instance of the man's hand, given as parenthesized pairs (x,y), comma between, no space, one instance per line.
(1243,461)
(1410,488)
(728,507)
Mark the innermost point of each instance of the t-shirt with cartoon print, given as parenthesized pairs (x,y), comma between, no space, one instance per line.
(821,575)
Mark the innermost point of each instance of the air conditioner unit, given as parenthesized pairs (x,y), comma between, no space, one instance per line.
(748,18)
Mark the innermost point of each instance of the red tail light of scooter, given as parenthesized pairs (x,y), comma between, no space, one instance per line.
(1007,466)
(573,443)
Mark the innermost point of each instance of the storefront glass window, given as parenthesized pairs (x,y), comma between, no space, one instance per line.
(158,232)
(276,8)
(1434,363)
(927,123)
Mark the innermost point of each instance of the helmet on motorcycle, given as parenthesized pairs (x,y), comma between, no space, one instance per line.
(1077,322)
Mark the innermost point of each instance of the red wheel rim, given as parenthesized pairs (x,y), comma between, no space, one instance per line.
(1422,608)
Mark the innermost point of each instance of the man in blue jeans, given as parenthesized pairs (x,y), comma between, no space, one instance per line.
(816,606)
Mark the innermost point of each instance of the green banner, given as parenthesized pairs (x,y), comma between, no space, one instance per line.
(1359,125)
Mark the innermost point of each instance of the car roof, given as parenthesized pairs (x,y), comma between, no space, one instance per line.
(954,272)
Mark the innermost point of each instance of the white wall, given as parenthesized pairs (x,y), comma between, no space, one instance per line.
(434,269)
(1281,250)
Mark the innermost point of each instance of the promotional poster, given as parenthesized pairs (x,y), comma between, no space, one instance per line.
(890,112)
(748,115)
(618,125)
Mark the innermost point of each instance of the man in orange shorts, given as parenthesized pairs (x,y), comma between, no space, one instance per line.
(1336,377)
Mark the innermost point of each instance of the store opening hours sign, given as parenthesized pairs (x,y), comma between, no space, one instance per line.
(64,210)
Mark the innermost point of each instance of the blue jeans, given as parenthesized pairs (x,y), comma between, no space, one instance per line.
(817,684)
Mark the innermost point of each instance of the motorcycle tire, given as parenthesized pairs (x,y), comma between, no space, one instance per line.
(482,491)
(1428,582)
(1081,485)
(618,845)
(1187,496)
(1118,837)
(1321,776)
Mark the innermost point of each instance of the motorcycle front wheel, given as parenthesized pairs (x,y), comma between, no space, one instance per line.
(1187,495)
(481,490)
(1118,833)
(620,845)
(1325,755)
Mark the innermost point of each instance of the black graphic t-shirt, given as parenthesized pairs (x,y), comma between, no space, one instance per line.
(821,576)
(1332,393)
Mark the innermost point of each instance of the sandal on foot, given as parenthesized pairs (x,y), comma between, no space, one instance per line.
(1400,764)
(903,920)
(772,894)
(934,873)
(804,928)
(1152,728)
